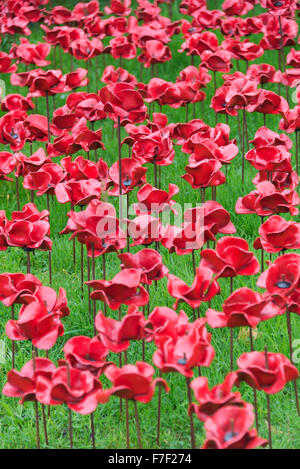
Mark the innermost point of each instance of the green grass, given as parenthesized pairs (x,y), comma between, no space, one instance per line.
(17,422)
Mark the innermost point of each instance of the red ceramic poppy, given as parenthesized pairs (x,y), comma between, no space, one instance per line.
(231,257)
(23,383)
(45,179)
(133,175)
(17,288)
(119,8)
(134,381)
(31,53)
(122,100)
(5,64)
(50,82)
(147,260)
(85,49)
(144,229)
(124,288)
(120,47)
(29,229)
(283,276)
(265,137)
(269,102)
(270,377)
(86,354)
(266,200)
(116,335)
(112,75)
(16,102)
(35,323)
(165,322)
(211,400)
(78,192)
(153,200)
(244,307)
(219,61)
(277,234)
(229,428)
(204,288)
(12,131)
(54,304)
(205,173)
(79,390)
(197,43)
(155,148)
(183,353)
(7,165)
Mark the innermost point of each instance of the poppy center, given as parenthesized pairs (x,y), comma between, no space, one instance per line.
(88,357)
(13,134)
(229,436)
(127,182)
(183,360)
(283,283)
(278,4)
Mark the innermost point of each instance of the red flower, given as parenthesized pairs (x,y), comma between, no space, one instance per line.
(12,131)
(7,165)
(5,64)
(165,322)
(17,288)
(80,390)
(54,304)
(86,354)
(85,49)
(122,100)
(36,127)
(119,8)
(231,257)
(242,50)
(35,323)
(112,75)
(265,137)
(16,102)
(283,7)
(277,234)
(283,276)
(229,428)
(78,192)
(116,335)
(197,43)
(153,200)
(81,168)
(219,61)
(156,148)
(28,229)
(204,288)
(45,179)
(244,307)
(134,381)
(293,58)
(270,377)
(121,47)
(211,400)
(205,173)
(269,102)
(31,53)
(23,383)
(76,79)
(133,175)
(144,229)
(50,82)
(148,261)
(261,73)
(124,288)
(182,354)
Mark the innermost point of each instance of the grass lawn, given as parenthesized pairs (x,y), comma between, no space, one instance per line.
(17,422)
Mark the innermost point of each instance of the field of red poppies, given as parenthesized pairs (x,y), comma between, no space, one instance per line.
(149,224)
